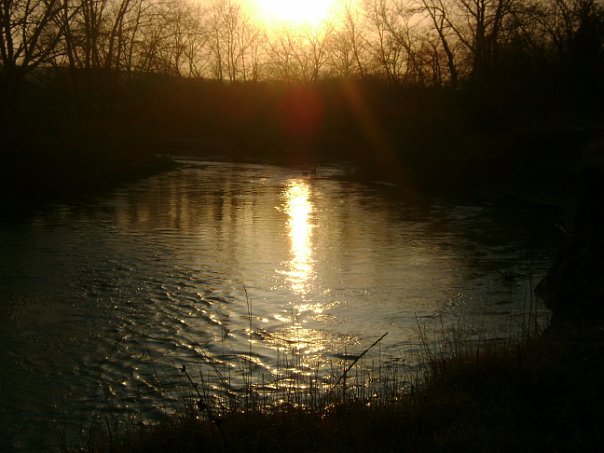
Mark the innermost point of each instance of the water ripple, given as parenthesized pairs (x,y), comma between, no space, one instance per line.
(224,266)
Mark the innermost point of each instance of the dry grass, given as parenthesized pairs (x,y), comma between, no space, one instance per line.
(535,392)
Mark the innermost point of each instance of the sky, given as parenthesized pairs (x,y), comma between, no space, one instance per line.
(277,13)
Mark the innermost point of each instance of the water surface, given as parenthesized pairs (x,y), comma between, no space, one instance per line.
(103,301)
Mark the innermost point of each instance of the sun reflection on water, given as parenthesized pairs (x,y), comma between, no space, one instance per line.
(302,332)
(299,208)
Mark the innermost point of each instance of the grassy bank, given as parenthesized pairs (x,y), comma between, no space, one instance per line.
(536,393)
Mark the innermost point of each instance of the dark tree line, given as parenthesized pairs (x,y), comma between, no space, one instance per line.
(99,43)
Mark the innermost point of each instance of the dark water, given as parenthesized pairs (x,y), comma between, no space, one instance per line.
(102,302)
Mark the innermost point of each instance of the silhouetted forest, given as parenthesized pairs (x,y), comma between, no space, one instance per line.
(428,91)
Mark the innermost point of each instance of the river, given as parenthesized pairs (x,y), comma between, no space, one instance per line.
(103,300)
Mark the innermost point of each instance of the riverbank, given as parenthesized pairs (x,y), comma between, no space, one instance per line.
(536,168)
(126,283)
(540,391)
(539,394)
(48,161)
(465,143)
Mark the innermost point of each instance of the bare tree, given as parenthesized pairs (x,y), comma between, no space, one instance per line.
(181,38)
(231,17)
(249,40)
(348,45)
(281,55)
(310,52)
(402,22)
(386,51)
(64,21)
(438,14)
(29,36)
(233,41)
(479,26)
(197,38)
(562,20)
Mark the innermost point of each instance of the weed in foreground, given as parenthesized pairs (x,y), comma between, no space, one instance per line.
(534,391)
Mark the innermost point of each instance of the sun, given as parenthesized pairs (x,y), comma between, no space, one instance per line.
(294,12)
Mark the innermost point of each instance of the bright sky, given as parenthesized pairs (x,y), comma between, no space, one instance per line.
(279,13)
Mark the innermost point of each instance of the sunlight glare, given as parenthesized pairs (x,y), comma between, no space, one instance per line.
(294,12)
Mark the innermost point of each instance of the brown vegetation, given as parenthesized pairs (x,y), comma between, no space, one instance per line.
(541,393)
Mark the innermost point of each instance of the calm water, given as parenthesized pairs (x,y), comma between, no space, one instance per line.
(101,302)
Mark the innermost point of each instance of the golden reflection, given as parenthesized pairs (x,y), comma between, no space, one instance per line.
(299,208)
